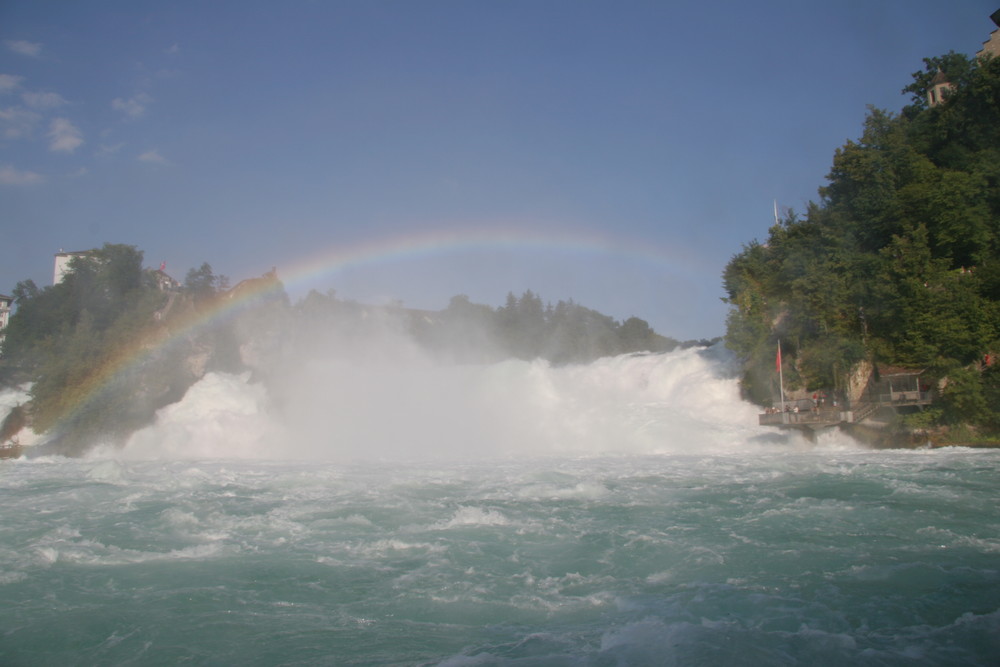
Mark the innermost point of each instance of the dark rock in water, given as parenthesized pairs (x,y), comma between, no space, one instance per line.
(13,423)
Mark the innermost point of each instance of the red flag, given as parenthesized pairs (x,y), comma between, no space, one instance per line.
(777,361)
(163,266)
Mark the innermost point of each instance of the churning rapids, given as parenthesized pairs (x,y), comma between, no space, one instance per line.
(625,512)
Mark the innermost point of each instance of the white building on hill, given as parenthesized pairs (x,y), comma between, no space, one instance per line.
(5,304)
(62,264)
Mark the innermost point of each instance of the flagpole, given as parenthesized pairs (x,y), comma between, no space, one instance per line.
(781,379)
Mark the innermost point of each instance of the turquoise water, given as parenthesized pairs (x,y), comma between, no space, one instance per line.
(629,512)
(829,557)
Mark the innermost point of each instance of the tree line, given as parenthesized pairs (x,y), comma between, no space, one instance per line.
(524,327)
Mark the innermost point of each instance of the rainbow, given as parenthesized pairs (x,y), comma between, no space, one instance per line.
(325,264)
(433,243)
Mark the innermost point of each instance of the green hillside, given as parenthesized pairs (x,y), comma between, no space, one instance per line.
(898,263)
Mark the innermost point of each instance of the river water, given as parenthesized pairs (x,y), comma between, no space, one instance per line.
(628,512)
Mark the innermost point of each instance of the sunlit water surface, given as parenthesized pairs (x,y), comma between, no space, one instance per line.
(694,538)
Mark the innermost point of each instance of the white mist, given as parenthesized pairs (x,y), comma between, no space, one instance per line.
(398,404)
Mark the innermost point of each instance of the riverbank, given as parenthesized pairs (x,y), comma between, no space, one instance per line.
(880,435)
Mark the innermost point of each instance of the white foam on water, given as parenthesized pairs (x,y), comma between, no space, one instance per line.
(69,546)
(10,398)
(222,416)
(475,516)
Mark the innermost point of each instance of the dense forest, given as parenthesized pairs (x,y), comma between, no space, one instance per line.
(112,342)
(897,264)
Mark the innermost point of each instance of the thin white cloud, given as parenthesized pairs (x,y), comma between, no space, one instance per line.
(18,122)
(24,47)
(11,176)
(173,50)
(153,156)
(64,136)
(43,100)
(132,107)
(9,82)
(109,149)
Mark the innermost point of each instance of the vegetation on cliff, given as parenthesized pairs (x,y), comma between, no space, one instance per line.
(899,261)
(101,348)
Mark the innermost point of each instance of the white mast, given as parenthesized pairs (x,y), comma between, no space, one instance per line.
(781,380)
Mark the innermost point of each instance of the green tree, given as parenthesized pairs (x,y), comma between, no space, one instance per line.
(202,283)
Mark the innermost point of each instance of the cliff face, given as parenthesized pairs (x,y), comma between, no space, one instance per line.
(877,435)
(858,379)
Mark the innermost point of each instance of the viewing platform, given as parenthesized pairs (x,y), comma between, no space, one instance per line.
(887,387)
(813,417)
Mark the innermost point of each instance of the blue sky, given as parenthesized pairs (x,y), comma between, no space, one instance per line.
(621,151)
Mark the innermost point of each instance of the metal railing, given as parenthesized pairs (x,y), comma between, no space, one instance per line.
(804,417)
(859,411)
